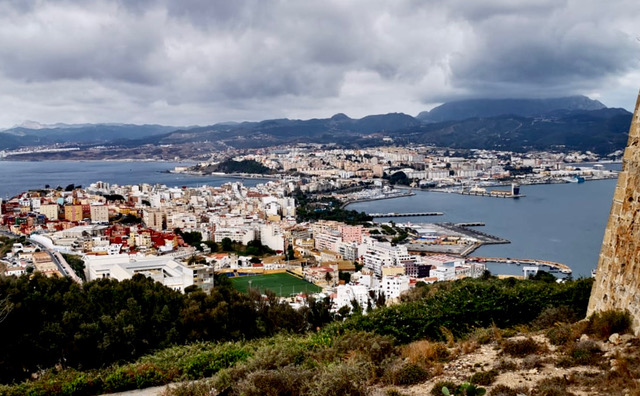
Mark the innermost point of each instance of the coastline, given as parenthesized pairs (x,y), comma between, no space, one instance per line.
(400,195)
(231,175)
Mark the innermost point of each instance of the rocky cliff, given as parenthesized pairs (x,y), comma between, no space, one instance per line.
(617,284)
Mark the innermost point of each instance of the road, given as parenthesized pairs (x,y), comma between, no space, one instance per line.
(57,258)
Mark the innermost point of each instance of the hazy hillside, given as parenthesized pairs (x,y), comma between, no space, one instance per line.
(23,136)
(575,123)
(483,108)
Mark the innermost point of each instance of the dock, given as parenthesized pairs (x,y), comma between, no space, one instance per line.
(461,230)
(554,267)
(473,224)
(489,194)
(414,214)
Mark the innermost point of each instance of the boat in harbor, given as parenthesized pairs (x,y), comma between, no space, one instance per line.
(574,179)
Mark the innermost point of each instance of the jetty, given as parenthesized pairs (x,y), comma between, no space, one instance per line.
(493,194)
(411,214)
(553,266)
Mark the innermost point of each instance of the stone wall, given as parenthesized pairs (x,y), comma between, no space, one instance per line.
(617,284)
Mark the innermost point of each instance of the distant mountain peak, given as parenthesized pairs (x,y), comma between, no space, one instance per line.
(28,124)
(483,108)
(340,117)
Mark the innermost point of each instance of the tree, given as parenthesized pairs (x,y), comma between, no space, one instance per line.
(544,276)
(344,276)
(5,308)
(76,264)
(290,253)
(212,245)
(193,238)
(227,244)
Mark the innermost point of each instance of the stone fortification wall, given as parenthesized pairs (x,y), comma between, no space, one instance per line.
(617,284)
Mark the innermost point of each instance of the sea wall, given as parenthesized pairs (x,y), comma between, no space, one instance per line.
(617,283)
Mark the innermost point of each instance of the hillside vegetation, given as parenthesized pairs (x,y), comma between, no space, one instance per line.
(344,357)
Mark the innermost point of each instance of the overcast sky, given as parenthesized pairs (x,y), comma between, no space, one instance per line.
(187,62)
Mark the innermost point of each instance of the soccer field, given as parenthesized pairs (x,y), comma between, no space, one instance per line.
(282,284)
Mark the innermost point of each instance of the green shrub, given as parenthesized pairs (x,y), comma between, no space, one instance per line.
(280,354)
(189,388)
(437,388)
(82,384)
(148,375)
(467,304)
(373,347)
(521,347)
(135,377)
(532,361)
(603,324)
(551,316)
(484,377)
(554,386)
(504,390)
(208,363)
(464,389)
(406,374)
(349,378)
(586,352)
(120,379)
(506,365)
(483,335)
(560,334)
(288,381)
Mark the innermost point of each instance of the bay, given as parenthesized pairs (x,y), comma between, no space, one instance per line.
(19,176)
(561,222)
(564,223)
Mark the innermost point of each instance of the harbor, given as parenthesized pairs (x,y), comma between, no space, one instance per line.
(449,238)
(478,191)
(410,214)
(373,195)
(545,265)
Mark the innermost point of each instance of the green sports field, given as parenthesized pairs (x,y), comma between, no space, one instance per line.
(282,284)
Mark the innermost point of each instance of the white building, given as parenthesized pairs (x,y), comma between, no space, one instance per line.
(347,293)
(393,286)
(243,235)
(99,214)
(381,254)
(122,266)
(443,267)
(271,235)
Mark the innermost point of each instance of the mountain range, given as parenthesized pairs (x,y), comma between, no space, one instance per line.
(570,123)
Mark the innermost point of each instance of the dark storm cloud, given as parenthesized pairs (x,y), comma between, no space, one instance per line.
(61,42)
(184,62)
(552,52)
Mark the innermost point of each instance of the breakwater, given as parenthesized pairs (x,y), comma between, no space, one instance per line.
(410,214)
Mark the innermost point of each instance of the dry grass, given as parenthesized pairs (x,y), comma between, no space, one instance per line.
(468,346)
(522,347)
(448,335)
(426,353)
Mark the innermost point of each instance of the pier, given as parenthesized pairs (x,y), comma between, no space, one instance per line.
(489,194)
(474,224)
(378,197)
(395,214)
(553,266)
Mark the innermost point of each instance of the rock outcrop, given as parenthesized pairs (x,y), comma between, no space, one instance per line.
(617,284)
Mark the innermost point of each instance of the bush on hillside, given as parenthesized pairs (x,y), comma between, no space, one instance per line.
(603,324)
(465,305)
